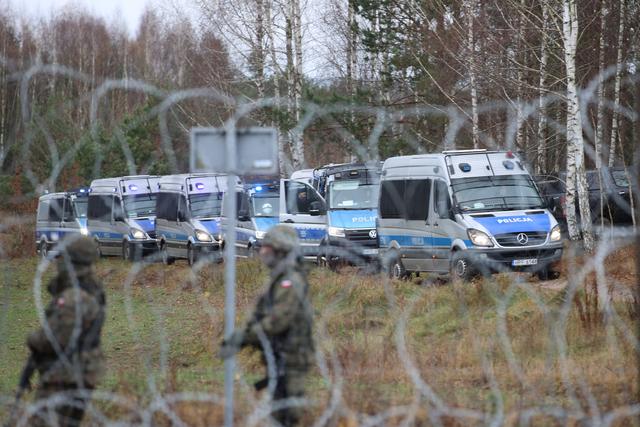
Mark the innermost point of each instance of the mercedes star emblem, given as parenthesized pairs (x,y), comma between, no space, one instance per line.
(522,238)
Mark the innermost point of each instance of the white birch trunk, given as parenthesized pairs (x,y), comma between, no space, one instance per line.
(520,143)
(600,110)
(614,120)
(541,164)
(576,176)
(260,56)
(296,84)
(284,169)
(475,128)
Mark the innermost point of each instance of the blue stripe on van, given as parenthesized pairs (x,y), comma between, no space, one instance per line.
(420,241)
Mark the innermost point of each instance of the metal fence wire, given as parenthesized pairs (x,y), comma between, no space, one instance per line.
(502,349)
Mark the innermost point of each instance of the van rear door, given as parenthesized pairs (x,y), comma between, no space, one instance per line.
(302,208)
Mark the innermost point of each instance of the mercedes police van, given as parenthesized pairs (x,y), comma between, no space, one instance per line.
(464,212)
(58,215)
(351,191)
(121,215)
(258,211)
(189,216)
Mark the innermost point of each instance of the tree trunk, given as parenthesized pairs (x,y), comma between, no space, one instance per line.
(284,169)
(470,10)
(616,101)
(259,48)
(541,164)
(576,176)
(294,63)
(600,111)
(520,137)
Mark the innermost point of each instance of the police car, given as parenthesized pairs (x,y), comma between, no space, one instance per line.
(60,214)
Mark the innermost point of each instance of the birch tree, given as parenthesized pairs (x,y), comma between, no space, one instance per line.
(576,176)
(470,10)
(616,102)
(542,111)
(600,109)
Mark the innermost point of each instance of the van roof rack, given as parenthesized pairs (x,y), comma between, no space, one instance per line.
(471,151)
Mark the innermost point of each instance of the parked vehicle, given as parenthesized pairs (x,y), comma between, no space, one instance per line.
(303,175)
(58,215)
(121,215)
(304,209)
(258,211)
(189,216)
(609,196)
(351,191)
(464,212)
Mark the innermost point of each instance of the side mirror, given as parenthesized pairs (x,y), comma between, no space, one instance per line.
(68,218)
(182,217)
(118,217)
(317,209)
(243,216)
(443,209)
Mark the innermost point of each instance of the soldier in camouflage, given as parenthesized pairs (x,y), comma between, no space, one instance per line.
(66,350)
(284,315)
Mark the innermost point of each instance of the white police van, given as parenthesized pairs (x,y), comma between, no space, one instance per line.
(121,215)
(258,211)
(58,215)
(351,191)
(189,216)
(304,209)
(464,212)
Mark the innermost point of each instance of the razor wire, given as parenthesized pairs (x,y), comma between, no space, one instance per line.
(578,402)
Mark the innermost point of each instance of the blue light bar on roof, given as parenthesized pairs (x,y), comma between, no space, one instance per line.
(259,188)
(199,186)
(465,167)
(133,187)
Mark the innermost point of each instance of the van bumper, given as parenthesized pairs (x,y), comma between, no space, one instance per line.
(518,259)
(207,247)
(354,252)
(145,246)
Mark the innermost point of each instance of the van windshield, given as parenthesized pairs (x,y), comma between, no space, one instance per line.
(353,195)
(140,205)
(489,193)
(265,205)
(206,205)
(80,207)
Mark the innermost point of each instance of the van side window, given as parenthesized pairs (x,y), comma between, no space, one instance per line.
(299,197)
(68,211)
(99,207)
(167,206)
(392,199)
(55,209)
(417,199)
(442,199)
(183,209)
(43,211)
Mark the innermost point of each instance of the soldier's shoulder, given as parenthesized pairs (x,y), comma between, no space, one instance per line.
(292,278)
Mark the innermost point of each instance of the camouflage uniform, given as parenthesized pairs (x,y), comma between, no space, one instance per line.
(72,361)
(283,313)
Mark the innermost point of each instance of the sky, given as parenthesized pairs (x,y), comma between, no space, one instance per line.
(129,11)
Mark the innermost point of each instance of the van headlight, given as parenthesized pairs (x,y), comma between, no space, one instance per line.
(555,234)
(137,234)
(203,236)
(479,238)
(84,231)
(260,234)
(336,232)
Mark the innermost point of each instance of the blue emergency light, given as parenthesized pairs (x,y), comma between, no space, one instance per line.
(465,167)
(133,187)
(508,164)
(259,188)
(199,186)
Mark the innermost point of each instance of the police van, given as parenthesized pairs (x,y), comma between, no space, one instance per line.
(464,212)
(304,209)
(121,215)
(351,191)
(189,216)
(258,211)
(58,215)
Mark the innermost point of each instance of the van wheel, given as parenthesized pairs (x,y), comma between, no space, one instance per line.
(127,251)
(461,268)
(98,251)
(397,270)
(166,259)
(43,248)
(191,255)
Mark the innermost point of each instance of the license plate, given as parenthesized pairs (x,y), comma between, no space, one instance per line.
(370,252)
(521,262)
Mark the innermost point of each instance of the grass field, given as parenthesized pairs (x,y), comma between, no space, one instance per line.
(387,345)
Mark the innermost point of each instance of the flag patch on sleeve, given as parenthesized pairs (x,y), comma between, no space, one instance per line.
(286,284)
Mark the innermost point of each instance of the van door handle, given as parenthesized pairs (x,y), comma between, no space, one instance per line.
(289,221)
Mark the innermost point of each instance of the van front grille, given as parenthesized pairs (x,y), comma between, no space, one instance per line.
(527,238)
(361,237)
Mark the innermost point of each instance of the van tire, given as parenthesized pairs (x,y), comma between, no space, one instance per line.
(191,255)
(397,270)
(461,268)
(127,251)
(164,255)
(98,251)
(43,248)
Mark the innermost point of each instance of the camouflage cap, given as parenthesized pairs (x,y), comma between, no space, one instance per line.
(281,238)
(81,250)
